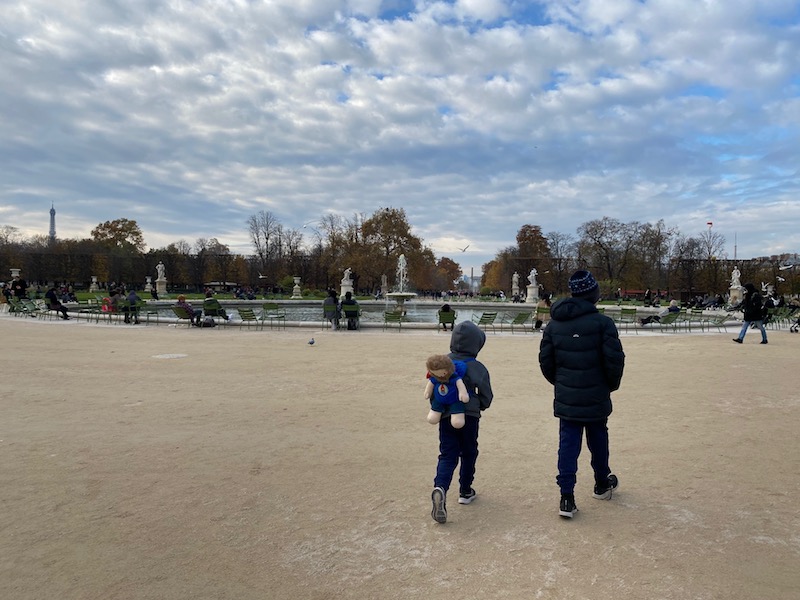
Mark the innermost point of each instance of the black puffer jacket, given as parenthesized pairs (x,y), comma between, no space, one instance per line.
(752,305)
(581,355)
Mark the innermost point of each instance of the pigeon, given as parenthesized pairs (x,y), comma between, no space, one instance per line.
(311,342)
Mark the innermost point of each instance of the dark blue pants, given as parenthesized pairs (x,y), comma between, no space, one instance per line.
(454,445)
(570,440)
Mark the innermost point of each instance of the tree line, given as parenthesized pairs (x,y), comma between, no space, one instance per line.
(632,256)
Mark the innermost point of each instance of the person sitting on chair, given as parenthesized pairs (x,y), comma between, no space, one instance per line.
(53,303)
(673,307)
(446,309)
(330,307)
(132,310)
(352,321)
(195,315)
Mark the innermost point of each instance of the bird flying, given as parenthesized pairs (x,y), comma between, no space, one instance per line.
(464,249)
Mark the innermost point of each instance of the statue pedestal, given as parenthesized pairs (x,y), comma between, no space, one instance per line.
(347,286)
(735,295)
(533,295)
(161,286)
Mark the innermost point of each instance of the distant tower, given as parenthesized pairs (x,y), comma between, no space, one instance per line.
(52,223)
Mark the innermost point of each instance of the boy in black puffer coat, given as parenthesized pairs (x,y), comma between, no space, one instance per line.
(581,355)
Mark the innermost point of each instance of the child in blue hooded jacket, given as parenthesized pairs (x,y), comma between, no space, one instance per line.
(461,444)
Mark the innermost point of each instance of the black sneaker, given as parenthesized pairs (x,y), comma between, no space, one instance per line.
(467,497)
(439,510)
(737,340)
(605,492)
(567,507)
(765,342)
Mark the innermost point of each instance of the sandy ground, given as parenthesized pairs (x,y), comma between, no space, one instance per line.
(256,466)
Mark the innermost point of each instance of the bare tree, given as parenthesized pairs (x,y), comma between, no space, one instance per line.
(713,246)
(264,230)
(609,244)
(687,256)
(563,249)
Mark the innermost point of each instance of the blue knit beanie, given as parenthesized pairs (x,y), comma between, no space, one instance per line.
(582,283)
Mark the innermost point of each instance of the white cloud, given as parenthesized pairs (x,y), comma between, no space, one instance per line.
(627,109)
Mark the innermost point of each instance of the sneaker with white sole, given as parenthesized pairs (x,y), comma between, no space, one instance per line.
(567,506)
(439,502)
(467,497)
(605,492)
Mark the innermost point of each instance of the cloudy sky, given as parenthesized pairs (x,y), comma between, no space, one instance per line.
(475,116)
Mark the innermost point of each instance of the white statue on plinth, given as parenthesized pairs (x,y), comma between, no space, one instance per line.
(735,281)
(161,270)
(347,272)
(533,288)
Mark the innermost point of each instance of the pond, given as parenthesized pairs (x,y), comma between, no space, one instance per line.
(371,311)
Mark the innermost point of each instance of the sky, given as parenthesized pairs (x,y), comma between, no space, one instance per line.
(475,116)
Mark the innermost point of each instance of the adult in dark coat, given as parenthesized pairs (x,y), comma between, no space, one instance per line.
(581,355)
(753,309)
(53,303)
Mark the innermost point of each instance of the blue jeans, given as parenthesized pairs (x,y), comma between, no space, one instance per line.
(759,324)
(570,440)
(455,444)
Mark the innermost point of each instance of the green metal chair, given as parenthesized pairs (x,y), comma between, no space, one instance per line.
(446,317)
(521,320)
(486,319)
(212,308)
(183,315)
(391,318)
(274,313)
(249,318)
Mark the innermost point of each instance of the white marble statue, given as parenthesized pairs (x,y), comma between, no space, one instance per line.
(161,270)
(515,279)
(347,272)
(532,277)
(735,281)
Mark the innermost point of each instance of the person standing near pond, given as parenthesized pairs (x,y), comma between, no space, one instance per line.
(19,287)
